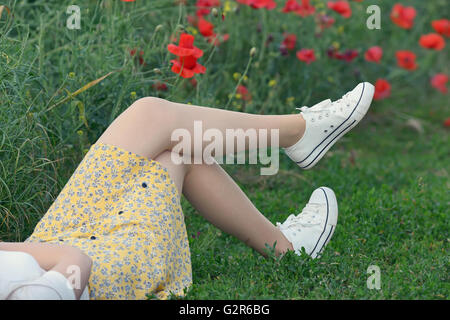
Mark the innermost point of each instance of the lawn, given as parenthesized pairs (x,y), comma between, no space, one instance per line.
(61,87)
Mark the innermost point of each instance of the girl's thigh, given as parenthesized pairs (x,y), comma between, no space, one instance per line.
(176,171)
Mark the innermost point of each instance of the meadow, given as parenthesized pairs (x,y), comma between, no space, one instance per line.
(61,86)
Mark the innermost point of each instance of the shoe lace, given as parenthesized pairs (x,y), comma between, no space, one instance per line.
(344,97)
(325,107)
(317,108)
(307,218)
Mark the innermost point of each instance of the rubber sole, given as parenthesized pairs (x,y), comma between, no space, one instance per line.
(330,223)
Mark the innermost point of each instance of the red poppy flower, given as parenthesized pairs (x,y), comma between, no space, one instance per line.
(217,39)
(306,55)
(447,123)
(432,41)
(291,6)
(302,9)
(442,27)
(141,54)
(406,59)
(305,9)
(204,6)
(289,41)
(374,54)
(348,55)
(185,47)
(403,16)
(341,7)
(382,89)
(159,86)
(127,0)
(192,20)
(133,52)
(324,21)
(258,4)
(439,81)
(331,52)
(205,27)
(186,65)
(243,91)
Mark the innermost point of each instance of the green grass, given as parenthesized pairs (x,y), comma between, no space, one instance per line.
(391,180)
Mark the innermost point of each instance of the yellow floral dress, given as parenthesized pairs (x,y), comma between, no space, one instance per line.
(123,210)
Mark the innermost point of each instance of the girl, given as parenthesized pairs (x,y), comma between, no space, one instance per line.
(121,207)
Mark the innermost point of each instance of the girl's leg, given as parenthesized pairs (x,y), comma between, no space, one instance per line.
(177,172)
(220,201)
(51,257)
(147,125)
(145,128)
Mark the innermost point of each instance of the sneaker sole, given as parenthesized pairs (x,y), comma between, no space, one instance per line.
(358,112)
(330,224)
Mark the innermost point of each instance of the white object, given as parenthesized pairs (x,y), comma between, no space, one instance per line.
(313,228)
(328,121)
(21,278)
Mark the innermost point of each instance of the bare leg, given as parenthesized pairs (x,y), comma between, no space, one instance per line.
(220,201)
(145,128)
(147,125)
(56,258)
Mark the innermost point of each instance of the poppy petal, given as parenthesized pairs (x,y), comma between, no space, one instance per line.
(199,68)
(187,73)
(179,51)
(197,53)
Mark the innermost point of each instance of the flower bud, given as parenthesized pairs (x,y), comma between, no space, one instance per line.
(252,52)
(30,116)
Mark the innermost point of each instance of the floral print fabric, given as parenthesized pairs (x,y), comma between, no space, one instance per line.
(123,210)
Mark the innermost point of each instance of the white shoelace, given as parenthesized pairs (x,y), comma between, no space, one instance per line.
(324,107)
(319,107)
(307,218)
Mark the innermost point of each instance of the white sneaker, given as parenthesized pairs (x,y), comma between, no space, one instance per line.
(327,121)
(313,228)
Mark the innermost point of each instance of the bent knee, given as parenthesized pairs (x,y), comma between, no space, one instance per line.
(151,108)
(143,128)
